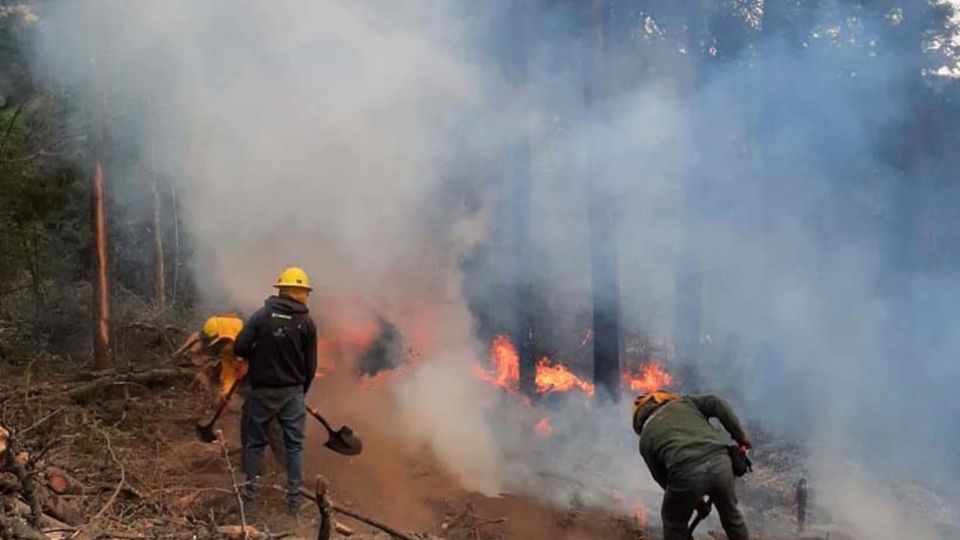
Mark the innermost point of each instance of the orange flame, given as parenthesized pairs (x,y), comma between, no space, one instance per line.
(543,427)
(557,378)
(640,515)
(651,377)
(506,364)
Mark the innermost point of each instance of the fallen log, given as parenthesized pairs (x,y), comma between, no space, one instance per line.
(88,391)
(46,521)
(58,508)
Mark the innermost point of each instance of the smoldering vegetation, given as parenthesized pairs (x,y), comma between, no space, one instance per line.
(781,176)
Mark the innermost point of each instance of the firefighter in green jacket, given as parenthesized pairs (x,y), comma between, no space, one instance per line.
(690,459)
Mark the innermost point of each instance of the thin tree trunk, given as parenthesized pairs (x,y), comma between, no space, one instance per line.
(603,247)
(159,270)
(102,348)
(176,244)
(28,243)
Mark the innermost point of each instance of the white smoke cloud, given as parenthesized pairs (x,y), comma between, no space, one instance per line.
(343,136)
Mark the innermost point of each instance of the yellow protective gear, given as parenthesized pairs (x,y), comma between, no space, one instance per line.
(293,276)
(220,328)
(223,330)
(232,369)
(659,397)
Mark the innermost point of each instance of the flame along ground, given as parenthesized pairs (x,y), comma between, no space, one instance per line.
(554,377)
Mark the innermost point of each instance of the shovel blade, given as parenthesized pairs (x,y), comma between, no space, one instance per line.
(205,433)
(344,441)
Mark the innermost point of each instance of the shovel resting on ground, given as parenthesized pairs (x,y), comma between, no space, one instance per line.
(205,431)
(342,441)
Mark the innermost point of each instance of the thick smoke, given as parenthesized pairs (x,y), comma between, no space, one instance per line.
(362,141)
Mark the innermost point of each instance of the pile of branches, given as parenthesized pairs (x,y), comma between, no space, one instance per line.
(60,473)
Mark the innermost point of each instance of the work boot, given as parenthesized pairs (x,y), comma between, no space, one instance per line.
(293,505)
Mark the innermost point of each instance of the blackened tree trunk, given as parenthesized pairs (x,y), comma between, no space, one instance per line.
(603,247)
(517,177)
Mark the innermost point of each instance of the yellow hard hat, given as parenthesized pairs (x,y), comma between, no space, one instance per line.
(219,328)
(293,276)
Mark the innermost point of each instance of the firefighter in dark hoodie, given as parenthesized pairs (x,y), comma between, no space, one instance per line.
(690,459)
(280,343)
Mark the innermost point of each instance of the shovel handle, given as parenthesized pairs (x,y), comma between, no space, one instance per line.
(316,414)
(700,517)
(223,403)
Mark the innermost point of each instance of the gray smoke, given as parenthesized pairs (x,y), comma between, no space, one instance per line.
(363,141)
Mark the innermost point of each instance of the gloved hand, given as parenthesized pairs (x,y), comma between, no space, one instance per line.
(745,445)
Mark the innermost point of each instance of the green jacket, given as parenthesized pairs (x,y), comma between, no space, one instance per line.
(679,433)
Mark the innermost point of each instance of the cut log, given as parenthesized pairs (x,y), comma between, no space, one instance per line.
(59,509)
(62,483)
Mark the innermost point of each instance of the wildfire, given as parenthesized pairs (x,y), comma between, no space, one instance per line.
(543,427)
(505,373)
(652,377)
(557,378)
(506,364)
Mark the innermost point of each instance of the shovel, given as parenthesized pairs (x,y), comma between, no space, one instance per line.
(205,431)
(343,441)
(701,515)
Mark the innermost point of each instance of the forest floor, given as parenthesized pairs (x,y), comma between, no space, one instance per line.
(137,469)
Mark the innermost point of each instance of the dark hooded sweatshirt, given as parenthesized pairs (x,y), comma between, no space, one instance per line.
(280,342)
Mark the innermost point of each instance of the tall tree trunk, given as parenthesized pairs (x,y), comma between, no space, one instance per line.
(102,348)
(159,266)
(176,243)
(603,246)
(159,271)
(102,342)
(517,175)
(29,245)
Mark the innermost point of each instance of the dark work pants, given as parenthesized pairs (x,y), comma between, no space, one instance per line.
(274,435)
(262,407)
(713,477)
